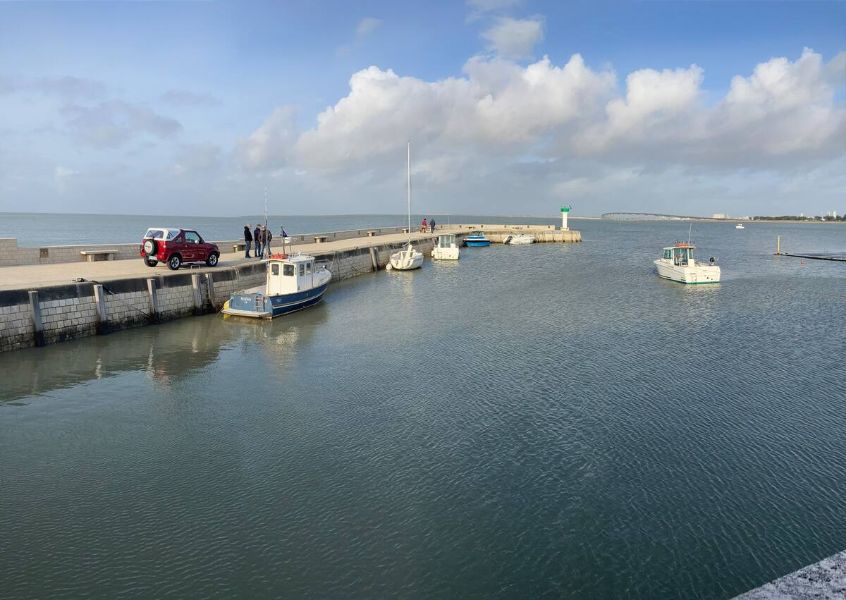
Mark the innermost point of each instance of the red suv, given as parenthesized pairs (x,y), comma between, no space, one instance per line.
(174,246)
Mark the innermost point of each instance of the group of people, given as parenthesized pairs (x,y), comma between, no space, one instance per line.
(260,239)
(427,227)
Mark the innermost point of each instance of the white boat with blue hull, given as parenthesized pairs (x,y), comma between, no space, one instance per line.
(293,283)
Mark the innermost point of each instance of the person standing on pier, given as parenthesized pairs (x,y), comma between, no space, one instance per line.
(248,237)
(432,225)
(257,240)
(268,236)
(424,227)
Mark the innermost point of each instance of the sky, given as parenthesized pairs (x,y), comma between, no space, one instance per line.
(511,107)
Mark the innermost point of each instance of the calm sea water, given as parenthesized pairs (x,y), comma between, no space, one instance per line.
(542,421)
(32,229)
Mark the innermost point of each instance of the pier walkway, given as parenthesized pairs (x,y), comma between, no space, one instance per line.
(37,276)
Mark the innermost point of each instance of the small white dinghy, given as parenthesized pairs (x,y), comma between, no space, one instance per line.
(446,247)
(406,259)
(519,240)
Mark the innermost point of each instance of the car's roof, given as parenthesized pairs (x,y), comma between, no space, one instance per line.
(171,229)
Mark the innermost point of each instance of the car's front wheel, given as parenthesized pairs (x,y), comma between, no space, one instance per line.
(212,259)
(151,262)
(174,262)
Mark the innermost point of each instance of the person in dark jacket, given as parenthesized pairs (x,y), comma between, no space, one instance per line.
(432,225)
(268,237)
(248,237)
(257,241)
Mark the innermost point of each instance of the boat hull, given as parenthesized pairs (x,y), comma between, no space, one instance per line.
(406,260)
(477,243)
(445,254)
(260,306)
(521,240)
(697,274)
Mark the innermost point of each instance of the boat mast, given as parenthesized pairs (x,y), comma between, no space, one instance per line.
(408,175)
(267,251)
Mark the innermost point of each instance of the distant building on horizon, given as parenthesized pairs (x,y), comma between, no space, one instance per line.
(719,216)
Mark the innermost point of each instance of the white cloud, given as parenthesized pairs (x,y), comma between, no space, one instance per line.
(502,111)
(498,106)
(483,6)
(112,123)
(549,130)
(658,105)
(367,26)
(64,172)
(197,159)
(66,87)
(270,146)
(514,38)
(188,98)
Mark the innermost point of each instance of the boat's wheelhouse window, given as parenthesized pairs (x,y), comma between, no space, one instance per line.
(668,253)
(302,269)
(681,256)
(308,268)
(288,270)
(274,268)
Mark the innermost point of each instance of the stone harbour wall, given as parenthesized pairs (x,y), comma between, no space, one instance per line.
(48,315)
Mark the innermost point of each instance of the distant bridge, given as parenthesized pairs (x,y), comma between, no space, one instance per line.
(632,216)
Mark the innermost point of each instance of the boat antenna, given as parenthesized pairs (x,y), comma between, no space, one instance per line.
(689,230)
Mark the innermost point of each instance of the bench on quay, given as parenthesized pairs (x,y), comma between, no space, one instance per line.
(97,255)
(319,239)
(239,247)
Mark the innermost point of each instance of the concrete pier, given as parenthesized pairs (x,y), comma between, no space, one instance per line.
(825,580)
(48,303)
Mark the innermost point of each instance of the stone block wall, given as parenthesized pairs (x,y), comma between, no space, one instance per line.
(15,327)
(70,311)
(68,318)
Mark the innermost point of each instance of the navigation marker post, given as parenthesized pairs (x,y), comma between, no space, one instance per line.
(565,210)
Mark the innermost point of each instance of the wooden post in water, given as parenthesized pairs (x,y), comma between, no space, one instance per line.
(778,245)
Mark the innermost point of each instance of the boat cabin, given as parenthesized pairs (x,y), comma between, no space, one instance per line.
(681,254)
(289,274)
(446,240)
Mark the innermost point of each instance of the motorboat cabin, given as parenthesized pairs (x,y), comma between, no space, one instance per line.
(446,248)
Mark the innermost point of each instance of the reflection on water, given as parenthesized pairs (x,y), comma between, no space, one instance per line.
(165,353)
(554,420)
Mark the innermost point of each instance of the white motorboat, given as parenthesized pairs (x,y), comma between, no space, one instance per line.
(293,283)
(739,226)
(445,248)
(408,258)
(519,239)
(677,264)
